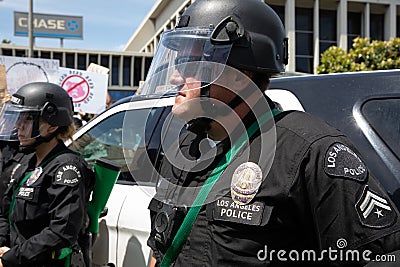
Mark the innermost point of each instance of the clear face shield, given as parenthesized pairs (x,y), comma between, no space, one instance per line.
(174,125)
(186,52)
(17,122)
(185,61)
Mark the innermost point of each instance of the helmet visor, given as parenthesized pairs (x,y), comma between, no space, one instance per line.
(186,52)
(12,115)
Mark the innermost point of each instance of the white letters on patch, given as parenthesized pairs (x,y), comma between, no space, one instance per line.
(341,161)
(68,174)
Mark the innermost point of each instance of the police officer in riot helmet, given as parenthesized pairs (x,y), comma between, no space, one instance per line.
(248,180)
(44,208)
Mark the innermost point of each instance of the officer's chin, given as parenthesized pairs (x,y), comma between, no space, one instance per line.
(26,141)
(186,112)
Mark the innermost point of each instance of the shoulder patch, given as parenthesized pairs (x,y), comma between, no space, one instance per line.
(341,161)
(374,210)
(68,174)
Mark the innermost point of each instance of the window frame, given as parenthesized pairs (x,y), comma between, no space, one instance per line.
(381,148)
(163,104)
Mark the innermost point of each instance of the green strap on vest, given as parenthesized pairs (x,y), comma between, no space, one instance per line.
(191,216)
(13,200)
(64,252)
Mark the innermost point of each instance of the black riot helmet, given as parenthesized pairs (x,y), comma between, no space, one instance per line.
(257,33)
(244,34)
(209,36)
(39,100)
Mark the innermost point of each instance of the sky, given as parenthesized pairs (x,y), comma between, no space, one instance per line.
(107,25)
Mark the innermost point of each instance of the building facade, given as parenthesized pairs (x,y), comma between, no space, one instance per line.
(127,68)
(311,25)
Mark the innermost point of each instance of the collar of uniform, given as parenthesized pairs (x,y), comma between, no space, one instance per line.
(248,120)
(56,150)
(271,103)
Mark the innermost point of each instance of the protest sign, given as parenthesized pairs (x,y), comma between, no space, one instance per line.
(21,70)
(98,68)
(3,83)
(87,89)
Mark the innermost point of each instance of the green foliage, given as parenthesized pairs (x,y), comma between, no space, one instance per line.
(364,55)
(5,41)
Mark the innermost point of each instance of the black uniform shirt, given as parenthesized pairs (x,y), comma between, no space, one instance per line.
(10,157)
(50,208)
(317,200)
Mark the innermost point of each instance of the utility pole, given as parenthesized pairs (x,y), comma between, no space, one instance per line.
(30,28)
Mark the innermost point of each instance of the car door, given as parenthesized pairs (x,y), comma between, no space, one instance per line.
(365,107)
(379,121)
(121,134)
(134,220)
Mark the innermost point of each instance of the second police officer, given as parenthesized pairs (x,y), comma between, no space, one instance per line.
(246,180)
(44,208)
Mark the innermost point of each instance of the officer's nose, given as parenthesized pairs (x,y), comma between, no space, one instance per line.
(176,78)
(19,124)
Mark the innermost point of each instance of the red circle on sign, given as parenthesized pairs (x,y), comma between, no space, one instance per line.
(77,87)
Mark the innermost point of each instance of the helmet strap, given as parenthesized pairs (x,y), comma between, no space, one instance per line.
(38,141)
(27,149)
(199,125)
(259,79)
(202,124)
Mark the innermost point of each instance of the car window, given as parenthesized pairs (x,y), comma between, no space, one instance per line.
(161,132)
(143,164)
(111,140)
(384,117)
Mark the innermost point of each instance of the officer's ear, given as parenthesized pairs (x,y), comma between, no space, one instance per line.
(46,129)
(243,78)
(52,129)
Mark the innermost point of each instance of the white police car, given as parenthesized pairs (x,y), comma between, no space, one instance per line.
(346,101)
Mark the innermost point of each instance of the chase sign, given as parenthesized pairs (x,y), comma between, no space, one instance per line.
(48,25)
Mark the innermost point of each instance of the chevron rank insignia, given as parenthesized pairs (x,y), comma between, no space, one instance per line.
(374,210)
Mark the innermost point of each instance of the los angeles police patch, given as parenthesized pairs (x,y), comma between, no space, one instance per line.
(341,161)
(246,181)
(226,209)
(68,174)
(34,176)
(26,193)
(374,210)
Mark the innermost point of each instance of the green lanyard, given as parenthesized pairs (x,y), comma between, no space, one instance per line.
(191,216)
(64,252)
(14,199)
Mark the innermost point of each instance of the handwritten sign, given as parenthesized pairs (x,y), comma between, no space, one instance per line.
(98,68)
(21,71)
(87,89)
(3,84)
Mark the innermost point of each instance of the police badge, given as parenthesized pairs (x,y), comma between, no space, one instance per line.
(246,180)
(34,176)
